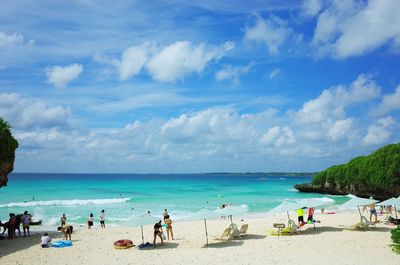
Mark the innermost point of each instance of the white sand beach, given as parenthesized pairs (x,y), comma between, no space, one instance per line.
(328,244)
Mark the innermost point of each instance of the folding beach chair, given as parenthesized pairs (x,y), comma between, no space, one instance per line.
(243,230)
(226,235)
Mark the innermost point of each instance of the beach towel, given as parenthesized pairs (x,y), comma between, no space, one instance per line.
(61,244)
(145,245)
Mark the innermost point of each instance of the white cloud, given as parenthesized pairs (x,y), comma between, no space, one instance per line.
(331,103)
(388,104)
(340,128)
(349,28)
(24,113)
(181,58)
(233,73)
(380,132)
(13,40)
(274,73)
(133,60)
(61,76)
(271,32)
(311,8)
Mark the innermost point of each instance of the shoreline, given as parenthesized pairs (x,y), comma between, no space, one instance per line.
(318,246)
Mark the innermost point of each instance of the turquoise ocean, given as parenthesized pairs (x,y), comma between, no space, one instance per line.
(122,196)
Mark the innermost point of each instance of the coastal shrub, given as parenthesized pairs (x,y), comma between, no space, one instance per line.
(396,239)
(8,143)
(379,171)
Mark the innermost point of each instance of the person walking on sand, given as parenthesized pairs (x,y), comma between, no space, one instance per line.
(372,211)
(102,218)
(90,221)
(63,220)
(168,222)
(158,232)
(25,222)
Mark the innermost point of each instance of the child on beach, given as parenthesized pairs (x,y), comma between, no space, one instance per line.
(165,214)
(102,217)
(310,215)
(372,211)
(300,216)
(168,222)
(45,240)
(90,221)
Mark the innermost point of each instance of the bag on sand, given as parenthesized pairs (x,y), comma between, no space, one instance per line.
(163,236)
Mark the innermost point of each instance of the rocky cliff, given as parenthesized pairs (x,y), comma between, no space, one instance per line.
(377,175)
(8,145)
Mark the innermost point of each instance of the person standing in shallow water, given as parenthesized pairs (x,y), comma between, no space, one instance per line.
(63,220)
(90,221)
(25,222)
(102,218)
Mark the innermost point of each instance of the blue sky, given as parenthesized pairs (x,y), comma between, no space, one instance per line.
(205,86)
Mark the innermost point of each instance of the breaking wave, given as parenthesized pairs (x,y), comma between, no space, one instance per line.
(65,202)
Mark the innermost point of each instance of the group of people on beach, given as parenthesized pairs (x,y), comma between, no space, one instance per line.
(158,231)
(14,223)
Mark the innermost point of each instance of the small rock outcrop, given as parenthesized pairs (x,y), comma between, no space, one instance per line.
(377,175)
(8,145)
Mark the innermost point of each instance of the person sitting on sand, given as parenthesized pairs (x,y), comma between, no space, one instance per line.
(66,230)
(372,211)
(63,220)
(168,222)
(158,232)
(45,240)
(90,221)
(25,222)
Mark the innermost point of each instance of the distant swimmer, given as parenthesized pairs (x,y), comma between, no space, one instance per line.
(120,195)
(33,197)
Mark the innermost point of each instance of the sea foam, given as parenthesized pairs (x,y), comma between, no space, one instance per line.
(65,202)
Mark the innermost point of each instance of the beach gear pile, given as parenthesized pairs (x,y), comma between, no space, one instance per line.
(145,245)
(61,244)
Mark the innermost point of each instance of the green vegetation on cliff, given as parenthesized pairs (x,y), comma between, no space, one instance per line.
(379,171)
(8,143)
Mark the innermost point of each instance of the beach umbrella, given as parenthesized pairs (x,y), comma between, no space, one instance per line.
(206,214)
(286,207)
(144,219)
(316,202)
(357,202)
(233,210)
(392,201)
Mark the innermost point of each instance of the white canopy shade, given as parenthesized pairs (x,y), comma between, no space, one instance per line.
(145,220)
(316,202)
(391,201)
(286,207)
(357,201)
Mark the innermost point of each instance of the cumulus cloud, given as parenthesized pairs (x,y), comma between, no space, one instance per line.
(271,32)
(133,60)
(311,8)
(350,28)
(331,103)
(278,136)
(61,76)
(233,73)
(24,113)
(13,40)
(389,103)
(181,58)
(380,132)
